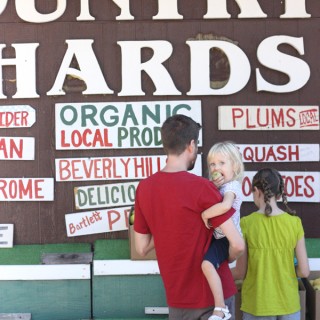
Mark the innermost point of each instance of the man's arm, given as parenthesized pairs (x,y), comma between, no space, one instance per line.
(143,243)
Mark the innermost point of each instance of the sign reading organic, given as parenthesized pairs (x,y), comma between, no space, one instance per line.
(98,221)
(106,195)
(279,152)
(14,148)
(112,168)
(114,125)
(268,118)
(26,189)
(17,116)
(299,186)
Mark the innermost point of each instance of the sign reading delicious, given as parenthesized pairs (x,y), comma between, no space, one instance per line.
(107,195)
(115,125)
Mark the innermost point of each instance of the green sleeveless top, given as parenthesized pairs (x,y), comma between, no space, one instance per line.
(271,287)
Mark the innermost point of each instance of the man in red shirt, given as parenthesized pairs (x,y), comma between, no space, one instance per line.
(168,211)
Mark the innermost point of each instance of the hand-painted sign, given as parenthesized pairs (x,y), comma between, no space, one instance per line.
(26,189)
(299,186)
(113,168)
(106,195)
(269,118)
(6,235)
(116,125)
(99,221)
(14,148)
(279,152)
(17,116)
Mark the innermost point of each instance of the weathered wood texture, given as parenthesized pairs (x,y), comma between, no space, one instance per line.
(44,222)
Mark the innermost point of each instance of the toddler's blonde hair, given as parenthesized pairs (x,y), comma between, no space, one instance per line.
(229,149)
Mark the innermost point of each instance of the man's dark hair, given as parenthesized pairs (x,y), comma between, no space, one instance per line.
(177,132)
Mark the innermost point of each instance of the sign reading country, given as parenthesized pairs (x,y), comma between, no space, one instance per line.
(117,125)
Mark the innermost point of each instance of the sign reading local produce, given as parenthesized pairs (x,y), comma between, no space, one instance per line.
(115,125)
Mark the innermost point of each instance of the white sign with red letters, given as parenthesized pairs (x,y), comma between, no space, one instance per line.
(268,117)
(98,221)
(279,152)
(16,148)
(17,116)
(113,168)
(299,186)
(26,189)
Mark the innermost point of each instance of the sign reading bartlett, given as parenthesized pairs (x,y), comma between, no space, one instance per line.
(98,221)
(116,125)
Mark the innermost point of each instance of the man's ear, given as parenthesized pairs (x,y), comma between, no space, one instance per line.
(191,146)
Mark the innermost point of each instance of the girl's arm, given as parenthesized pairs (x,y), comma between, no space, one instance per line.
(236,242)
(218,209)
(221,207)
(302,269)
(240,270)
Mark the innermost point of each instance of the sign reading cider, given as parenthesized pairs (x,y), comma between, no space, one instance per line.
(115,125)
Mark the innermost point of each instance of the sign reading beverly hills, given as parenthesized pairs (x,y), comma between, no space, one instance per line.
(112,168)
(116,125)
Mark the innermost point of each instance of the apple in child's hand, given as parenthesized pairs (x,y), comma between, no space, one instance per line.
(215,175)
(131,216)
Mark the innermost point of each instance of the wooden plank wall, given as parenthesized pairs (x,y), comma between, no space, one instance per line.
(43,222)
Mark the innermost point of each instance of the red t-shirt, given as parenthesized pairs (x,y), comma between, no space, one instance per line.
(168,205)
